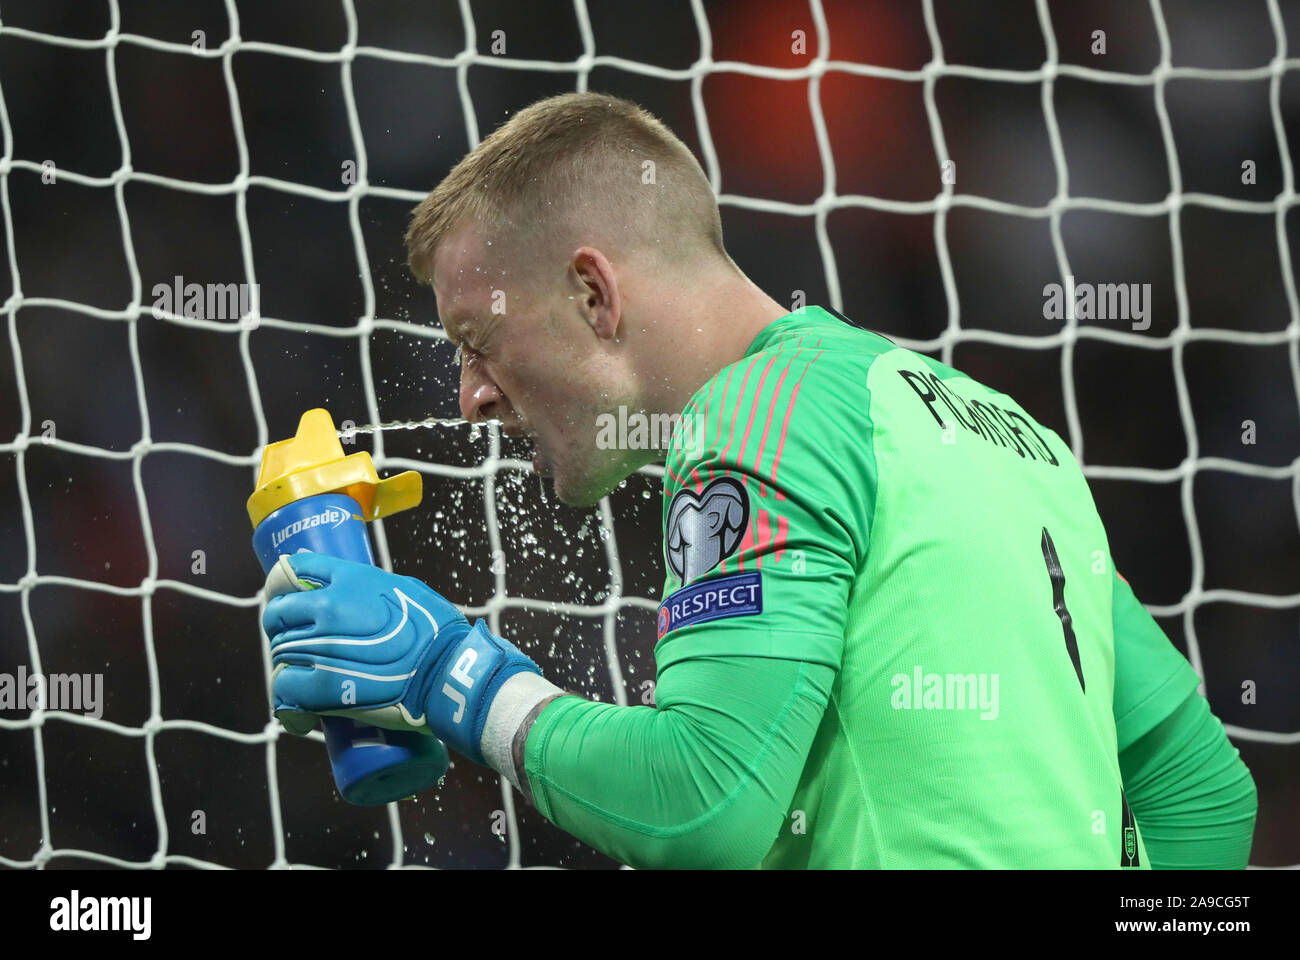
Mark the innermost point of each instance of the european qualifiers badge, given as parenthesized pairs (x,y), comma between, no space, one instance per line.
(703,530)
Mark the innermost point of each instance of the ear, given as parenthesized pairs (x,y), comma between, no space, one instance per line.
(600,302)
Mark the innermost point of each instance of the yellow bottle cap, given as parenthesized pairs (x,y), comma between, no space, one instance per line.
(312,462)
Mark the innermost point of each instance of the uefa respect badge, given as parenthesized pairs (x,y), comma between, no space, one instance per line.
(736,596)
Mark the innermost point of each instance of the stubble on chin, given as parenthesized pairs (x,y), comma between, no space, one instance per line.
(583,484)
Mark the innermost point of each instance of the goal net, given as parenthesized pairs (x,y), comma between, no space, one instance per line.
(203,211)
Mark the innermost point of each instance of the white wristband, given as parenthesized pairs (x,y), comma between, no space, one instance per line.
(513,702)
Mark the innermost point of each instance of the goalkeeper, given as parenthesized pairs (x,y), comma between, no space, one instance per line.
(891,632)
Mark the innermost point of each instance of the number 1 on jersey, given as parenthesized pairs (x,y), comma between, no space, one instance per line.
(1057,576)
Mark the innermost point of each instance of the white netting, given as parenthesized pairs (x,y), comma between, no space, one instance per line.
(487,470)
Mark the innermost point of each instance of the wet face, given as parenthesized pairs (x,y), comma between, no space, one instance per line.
(530,359)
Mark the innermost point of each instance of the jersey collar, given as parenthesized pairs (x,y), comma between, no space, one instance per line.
(809,316)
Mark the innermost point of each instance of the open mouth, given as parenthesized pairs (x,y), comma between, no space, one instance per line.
(517,430)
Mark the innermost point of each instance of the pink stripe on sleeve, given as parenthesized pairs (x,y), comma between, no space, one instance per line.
(735,413)
(785,424)
(767,427)
(764,535)
(758,394)
(721,403)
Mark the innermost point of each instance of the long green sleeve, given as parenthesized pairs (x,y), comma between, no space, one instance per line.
(702,780)
(1193,797)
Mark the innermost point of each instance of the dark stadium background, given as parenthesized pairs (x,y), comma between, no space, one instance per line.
(87,524)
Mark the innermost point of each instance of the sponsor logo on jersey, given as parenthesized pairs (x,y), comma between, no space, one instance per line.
(330,515)
(737,596)
(703,530)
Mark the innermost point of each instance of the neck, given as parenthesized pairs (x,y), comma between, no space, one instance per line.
(709,323)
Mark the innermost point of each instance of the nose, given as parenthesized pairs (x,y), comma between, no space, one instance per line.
(479,394)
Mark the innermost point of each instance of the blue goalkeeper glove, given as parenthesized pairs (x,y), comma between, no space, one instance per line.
(381,649)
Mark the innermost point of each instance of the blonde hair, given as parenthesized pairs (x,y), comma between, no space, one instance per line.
(575,164)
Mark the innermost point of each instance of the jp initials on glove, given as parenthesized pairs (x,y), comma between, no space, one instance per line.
(349,639)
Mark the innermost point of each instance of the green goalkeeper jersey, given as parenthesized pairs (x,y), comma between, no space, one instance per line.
(859,505)
(911,582)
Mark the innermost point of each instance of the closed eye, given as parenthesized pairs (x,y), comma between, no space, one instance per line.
(464,352)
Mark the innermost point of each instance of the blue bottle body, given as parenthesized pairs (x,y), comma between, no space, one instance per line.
(371,765)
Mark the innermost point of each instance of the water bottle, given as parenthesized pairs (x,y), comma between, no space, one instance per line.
(311,497)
